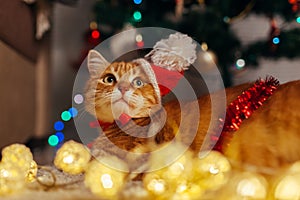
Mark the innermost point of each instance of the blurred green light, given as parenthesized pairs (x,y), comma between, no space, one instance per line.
(53,140)
(298,20)
(66,115)
(137,16)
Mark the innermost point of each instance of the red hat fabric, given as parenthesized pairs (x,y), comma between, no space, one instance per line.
(169,58)
(166,79)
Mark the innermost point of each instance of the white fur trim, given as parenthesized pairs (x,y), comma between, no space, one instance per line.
(175,53)
(149,71)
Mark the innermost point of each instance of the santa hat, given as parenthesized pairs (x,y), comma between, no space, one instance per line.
(168,61)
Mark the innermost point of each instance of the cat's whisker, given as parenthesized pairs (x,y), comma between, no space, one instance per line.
(133,98)
(82,108)
(82,115)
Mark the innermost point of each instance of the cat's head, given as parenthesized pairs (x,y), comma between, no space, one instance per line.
(135,88)
(119,88)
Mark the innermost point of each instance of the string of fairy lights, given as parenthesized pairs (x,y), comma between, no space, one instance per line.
(56,139)
(95,37)
(137,15)
(212,176)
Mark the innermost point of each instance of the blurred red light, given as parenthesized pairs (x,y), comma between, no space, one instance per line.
(140,44)
(292,1)
(95,34)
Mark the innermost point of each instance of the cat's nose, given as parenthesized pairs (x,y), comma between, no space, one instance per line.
(123,88)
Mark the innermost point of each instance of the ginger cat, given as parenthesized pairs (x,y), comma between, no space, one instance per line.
(269,139)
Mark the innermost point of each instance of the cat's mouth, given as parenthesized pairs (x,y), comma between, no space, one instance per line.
(121,100)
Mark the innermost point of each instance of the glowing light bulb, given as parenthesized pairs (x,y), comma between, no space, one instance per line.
(59,126)
(137,16)
(72,157)
(288,188)
(204,46)
(73,112)
(181,188)
(95,34)
(66,115)
(226,19)
(246,188)
(60,136)
(32,172)
(11,178)
(102,180)
(176,168)
(295,8)
(250,185)
(240,63)
(214,166)
(4,173)
(139,38)
(106,181)
(214,170)
(207,57)
(78,99)
(68,159)
(137,1)
(276,40)
(53,140)
(157,186)
(93,25)
(140,44)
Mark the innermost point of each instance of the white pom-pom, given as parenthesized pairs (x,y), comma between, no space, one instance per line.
(175,53)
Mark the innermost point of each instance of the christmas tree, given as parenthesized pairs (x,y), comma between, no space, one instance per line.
(209,22)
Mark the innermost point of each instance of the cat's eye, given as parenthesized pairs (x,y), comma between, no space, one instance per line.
(109,78)
(138,83)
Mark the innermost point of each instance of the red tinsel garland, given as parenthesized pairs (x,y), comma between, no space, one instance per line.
(242,108)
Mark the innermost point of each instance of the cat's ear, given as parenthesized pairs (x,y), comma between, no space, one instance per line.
(96,63)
